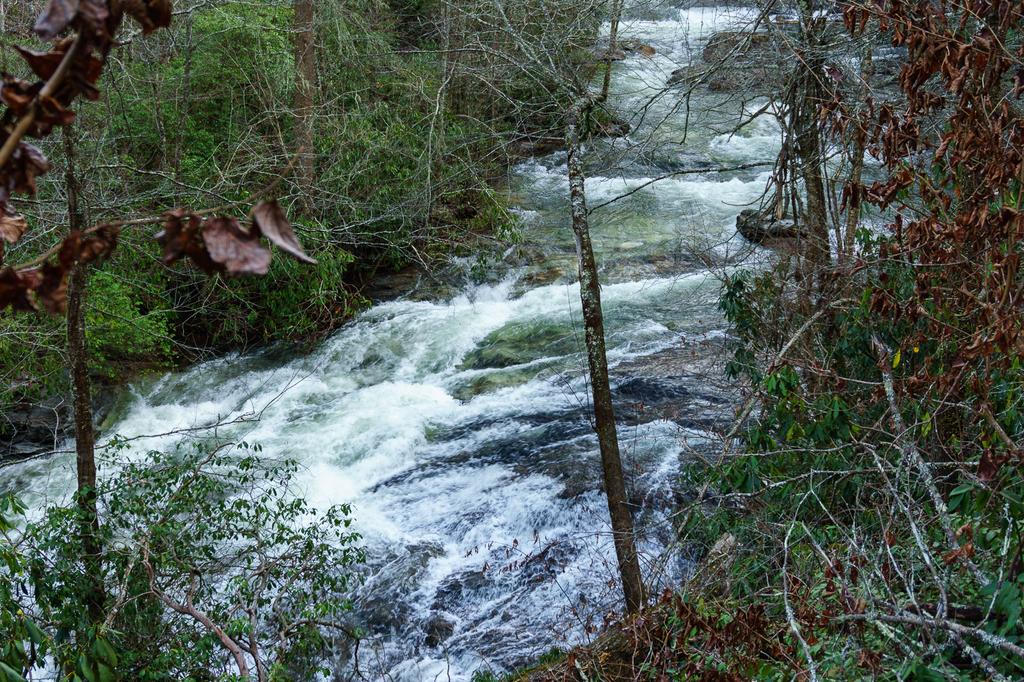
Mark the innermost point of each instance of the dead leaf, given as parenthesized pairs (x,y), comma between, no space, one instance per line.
(271,221)
(43,64)
(98,244)
(151,14)
(21,171)
(52,291)
(55,18)
(17,94)
(14,288)
(12,224)
(237,251)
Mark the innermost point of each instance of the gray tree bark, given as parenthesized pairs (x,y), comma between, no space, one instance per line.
(817,252)
(857,161)
(604,414)
(613,43)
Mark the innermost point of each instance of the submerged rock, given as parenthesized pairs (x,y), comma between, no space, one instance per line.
(518,344)
(455,589)
(437,630)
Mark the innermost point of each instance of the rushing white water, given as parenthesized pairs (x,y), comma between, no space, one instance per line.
(458,429)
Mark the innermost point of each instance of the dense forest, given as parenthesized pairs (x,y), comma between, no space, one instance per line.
(482,340)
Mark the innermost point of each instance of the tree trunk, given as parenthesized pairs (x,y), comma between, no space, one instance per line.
(85,437)
(305,94)
(857,163)
(817,252)
(613,42)
(604,415)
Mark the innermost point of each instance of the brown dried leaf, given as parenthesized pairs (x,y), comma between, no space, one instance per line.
(14,288)
(269,219)
(989,465)
(151,14)
(181,237)
(12,224)
(93,14)
(17,94)
(51,113)
(98,244)
(173,237)
(43,64)
(52,291)
(237,251)
(21,171)
(55,18)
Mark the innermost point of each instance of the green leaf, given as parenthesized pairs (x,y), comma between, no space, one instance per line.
(104,652)
(10,674)
(107,673)
(896,359)
(34,633)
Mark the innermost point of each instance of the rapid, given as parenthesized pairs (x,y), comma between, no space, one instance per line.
(458,427)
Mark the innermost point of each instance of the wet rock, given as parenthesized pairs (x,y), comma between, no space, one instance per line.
(413,283)
(612,128)
(546,564)
(736,61)
(634,46)
(734,46)
(382,615)
(543,277)
(527,148)
(384,611)
(724,79)
(652,389)
(27,430)
(518,344)
(456,588)
(579,484)
(759,227)
(604,54)
(437,629)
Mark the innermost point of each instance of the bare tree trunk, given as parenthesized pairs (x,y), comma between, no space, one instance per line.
(809,148)
(613,42)
(857,161)
(305,93)
(604,415)
(85,437)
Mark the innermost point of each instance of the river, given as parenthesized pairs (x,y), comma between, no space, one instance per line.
(458,427)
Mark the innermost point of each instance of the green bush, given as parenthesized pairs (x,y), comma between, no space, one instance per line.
(216,526)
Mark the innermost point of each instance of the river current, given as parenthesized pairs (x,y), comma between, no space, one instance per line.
(458,427)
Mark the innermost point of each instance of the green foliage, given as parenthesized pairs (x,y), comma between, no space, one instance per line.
(117,326)
(23,642)
(294,302)
(825,471)
(548,658)
(215,528)
(31,353)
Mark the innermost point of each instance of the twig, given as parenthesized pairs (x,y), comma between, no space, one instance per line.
(910,449)
(26,121)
